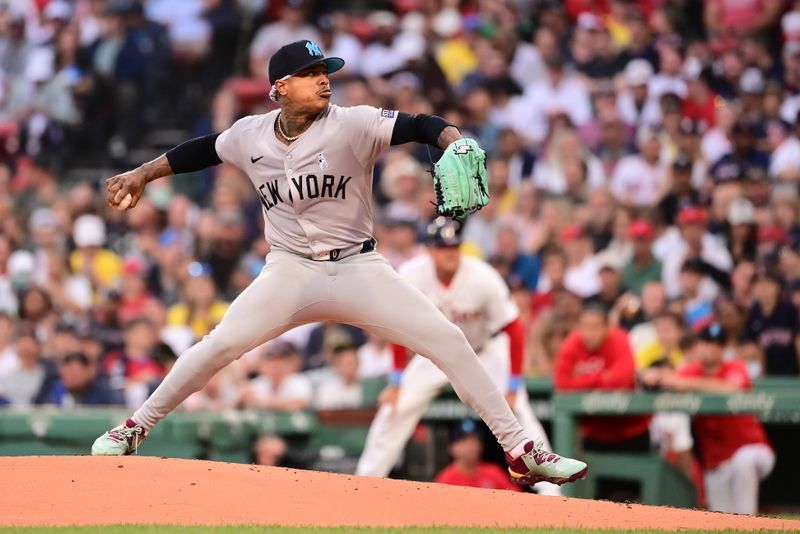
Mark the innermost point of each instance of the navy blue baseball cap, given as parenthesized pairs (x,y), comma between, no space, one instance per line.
(443,232)
(713,333)
(465,428)
(294,57)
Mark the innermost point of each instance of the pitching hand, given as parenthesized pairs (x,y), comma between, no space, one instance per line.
(120,186)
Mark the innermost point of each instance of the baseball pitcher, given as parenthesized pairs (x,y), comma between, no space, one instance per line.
(311,163)
(475,298)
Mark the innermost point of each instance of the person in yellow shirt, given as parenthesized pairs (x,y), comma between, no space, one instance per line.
(671,431)
(665,350)
(102,266)
(456,58)
(200,310)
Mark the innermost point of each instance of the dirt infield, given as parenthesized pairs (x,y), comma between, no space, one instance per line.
(91,491)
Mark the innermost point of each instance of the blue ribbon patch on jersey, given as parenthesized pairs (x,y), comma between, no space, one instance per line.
(313,49)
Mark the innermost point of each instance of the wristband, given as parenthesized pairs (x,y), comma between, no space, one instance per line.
(514,383)
(394,377)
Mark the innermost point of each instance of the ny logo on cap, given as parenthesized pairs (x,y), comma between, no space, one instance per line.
(313,49)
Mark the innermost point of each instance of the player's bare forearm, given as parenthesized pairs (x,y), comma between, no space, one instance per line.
(123,191)
(447,136)
(157,168)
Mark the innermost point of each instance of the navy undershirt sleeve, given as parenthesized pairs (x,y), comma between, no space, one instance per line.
(194,155)
(420,128)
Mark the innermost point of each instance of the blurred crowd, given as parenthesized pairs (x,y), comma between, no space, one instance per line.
(643,158)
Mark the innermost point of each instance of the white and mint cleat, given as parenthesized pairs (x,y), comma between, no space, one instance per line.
(540,465)
(121,440)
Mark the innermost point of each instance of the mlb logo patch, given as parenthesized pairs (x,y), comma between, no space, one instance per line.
(388,113)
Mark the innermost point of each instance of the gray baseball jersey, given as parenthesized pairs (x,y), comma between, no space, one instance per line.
(317,191)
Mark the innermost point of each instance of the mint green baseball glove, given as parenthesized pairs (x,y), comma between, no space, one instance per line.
(459,178)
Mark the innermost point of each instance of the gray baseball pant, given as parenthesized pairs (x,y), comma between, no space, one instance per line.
(362,290)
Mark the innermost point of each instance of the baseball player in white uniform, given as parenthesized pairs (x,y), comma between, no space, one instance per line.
(475,298)
(311,164)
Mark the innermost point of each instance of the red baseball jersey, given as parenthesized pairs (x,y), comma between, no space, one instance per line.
(609,367)
(486,475)
(720,436)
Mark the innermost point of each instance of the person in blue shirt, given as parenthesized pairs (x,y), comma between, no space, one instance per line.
(518,268)
(78,384)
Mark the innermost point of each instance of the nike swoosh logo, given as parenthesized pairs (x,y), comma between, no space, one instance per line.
(253,160)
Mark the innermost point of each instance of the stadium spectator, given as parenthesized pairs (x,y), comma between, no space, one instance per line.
(374,358)
(480,231)
(610,290)
(466,448)
(279,385)
(600,215)
(338,42)
(270,451)
(78,384)
(638,179)
(100,265)
(741,231)
(598,356)
(135,362)
(322,338)
(665,350)
(220,394)
(8,356)
(643,267)
(554,268)
(62,341)
(785,159)
(135,297)
(200,310)
(392,48)
(582,274)
(522,270)
(726,19)
(400,181)
(743,157)
(636,105)
(671,431)
(694,243)
(772,329)
(291,26)
(399,243)
(559,91)
(734,449)
(680,190)
(20,386)
(618,247)
(343,389)
(565,166)
(698,310)
(635,314)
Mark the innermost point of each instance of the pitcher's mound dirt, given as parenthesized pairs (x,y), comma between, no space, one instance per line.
(90,491)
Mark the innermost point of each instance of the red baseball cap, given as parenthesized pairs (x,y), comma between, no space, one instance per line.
(641,229)
(132,267)
(571,232)
(773,234)
(692,215)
